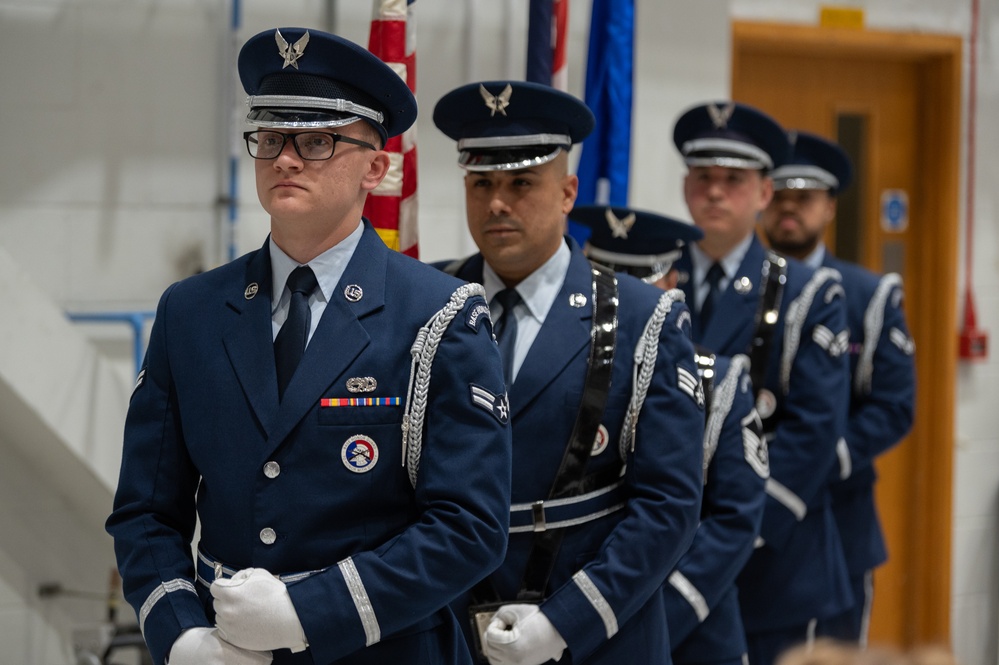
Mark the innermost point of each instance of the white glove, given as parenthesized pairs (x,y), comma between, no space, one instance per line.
(522,635)
(203,646)
(253,610)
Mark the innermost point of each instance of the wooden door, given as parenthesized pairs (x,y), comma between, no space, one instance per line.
(893,100)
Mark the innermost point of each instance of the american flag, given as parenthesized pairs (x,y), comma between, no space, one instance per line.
(392,207)
(547,24)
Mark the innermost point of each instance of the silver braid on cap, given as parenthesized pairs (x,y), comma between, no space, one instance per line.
(646,352)
(423,351)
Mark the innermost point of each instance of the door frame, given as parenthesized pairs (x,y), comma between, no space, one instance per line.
(939,59)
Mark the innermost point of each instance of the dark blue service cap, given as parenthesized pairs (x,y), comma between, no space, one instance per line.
(299,78)
(506,125)
(642,243)
(730,134)
(815,163)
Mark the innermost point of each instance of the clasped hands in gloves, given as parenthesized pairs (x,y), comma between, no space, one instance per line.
(254,615)
(521,635)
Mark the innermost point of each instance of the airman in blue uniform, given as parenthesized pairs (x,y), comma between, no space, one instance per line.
(702,603)
(791,322)
(882,396)
(606,408)
(350,476)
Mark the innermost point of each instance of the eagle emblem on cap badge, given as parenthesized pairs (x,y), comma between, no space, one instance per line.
(291,52)
(619,227)
(496,102)
(720,117)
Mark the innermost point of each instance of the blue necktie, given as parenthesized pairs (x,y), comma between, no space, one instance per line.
(713,278)
(506,330)
(289,346)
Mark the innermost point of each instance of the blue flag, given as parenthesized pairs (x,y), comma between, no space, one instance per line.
(605,162)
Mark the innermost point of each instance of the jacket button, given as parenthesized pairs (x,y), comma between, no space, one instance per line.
(268,536)
(272,469)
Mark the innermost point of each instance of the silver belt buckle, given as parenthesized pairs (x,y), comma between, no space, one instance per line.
(538,516)
(218,570)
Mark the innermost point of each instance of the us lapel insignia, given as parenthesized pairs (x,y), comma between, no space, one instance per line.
(577,300)
(251,290)
(353,293)
(743,286)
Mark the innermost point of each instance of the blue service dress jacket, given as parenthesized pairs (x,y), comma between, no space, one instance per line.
(372,538)
(702,603)
(603,594)
(797,572)
(882,406)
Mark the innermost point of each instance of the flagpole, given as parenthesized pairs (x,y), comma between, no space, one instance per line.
(510,38)
(469,62)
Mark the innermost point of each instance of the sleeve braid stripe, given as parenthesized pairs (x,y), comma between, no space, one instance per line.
(598,602)
(158,594)
(365,611)
(690,593)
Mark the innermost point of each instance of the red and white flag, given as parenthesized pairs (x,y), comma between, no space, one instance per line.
(392,207)
(548,21)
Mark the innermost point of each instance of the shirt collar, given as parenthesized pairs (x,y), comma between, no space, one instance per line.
(328,266)
(539,289)
(815,259)
(730,263)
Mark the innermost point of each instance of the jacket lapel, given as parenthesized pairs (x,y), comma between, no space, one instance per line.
(249,340)
(564,335)
(734,309)
(340,336)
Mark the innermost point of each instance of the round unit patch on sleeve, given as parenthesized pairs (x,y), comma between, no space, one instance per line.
(359,454)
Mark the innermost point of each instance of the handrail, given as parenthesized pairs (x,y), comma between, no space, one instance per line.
(136,319)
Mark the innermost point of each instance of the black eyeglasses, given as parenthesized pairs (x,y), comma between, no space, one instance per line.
(312,146)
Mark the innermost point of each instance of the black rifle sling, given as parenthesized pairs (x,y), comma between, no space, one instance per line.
(773,278)
(570,479)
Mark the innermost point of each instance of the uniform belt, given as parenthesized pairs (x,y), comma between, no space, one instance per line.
(561,513)
(210,569)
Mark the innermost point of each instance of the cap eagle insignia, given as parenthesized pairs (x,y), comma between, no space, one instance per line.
(720,117)
(291,52)
(619,227)
(496,102)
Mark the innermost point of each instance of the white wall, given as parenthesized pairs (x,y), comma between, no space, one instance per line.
(112,182)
